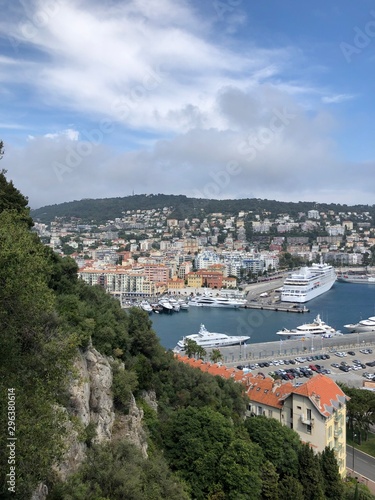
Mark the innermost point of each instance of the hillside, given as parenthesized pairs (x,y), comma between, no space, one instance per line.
(101,210)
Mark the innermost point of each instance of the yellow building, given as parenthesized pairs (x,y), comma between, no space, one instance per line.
(194,280)
(175,284)
(316,410)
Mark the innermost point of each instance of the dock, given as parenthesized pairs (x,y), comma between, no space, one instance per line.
(283,307)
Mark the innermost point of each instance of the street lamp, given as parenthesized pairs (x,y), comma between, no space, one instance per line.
(354,436)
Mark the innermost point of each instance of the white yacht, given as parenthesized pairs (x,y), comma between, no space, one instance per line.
(365,325)
(145,306)
(166,305)
(183,304)
(206,301)
(317,328)
(175,304)
(207,339)
(308,283)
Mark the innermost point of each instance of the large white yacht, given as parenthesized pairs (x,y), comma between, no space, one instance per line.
(365,325)
(317,328)
(207,301)
(308,283)
(204,338)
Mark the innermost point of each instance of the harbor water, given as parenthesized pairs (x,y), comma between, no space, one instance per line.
(344,303)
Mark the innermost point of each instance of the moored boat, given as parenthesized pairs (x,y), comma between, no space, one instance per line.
(207,339)
(363,326)
(316,328)
(308,283)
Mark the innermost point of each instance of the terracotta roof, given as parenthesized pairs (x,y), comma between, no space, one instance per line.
(324,393)
(269,392)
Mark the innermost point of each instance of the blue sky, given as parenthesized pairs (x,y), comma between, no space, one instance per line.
(213,99)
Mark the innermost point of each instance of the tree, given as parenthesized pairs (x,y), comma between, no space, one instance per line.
(216,356)
(239,470)
(35,353)
(191,347)
(11,198)
(195,440)
(310,474)
(333,485)
(269,478)
(290,487)
(280,444)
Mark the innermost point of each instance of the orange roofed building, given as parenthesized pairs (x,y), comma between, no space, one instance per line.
(316,410)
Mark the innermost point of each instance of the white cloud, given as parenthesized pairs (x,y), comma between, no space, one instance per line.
(203,115)
(336,99)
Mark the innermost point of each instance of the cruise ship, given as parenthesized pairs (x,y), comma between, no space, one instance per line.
(207,301)
(308,283)
(317,328)
(207,339)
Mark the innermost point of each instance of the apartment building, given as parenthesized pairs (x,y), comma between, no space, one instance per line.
(316,410)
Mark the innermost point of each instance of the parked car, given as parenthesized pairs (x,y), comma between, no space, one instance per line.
(344,368)
(352,353)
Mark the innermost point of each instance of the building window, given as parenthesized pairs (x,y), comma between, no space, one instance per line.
(270,413)
(330,431)
(309,414)
(291,413)
(260,410)
(308,429)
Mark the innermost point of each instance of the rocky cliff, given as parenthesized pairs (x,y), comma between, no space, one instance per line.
(91,416)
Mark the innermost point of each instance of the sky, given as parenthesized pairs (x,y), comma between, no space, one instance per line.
(211,99)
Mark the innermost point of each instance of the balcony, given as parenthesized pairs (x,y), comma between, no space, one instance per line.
(338,418)
(337,432)
(338,447)
(306,420)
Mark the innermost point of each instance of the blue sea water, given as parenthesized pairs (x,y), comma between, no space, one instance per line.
(344,303)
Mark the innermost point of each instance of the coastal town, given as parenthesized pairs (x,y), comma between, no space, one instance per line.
(147,253)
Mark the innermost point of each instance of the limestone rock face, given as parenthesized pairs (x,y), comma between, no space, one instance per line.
(101,399)
(130,427)
(150,398)
(91,402)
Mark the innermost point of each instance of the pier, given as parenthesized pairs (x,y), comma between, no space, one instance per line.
(280,306)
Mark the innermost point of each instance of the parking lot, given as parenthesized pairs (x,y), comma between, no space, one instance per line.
(351,369)
(355,366)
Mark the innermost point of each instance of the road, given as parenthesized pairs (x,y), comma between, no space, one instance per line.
(364,465)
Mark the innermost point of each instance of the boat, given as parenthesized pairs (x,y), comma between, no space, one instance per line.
(308,283)
(206,301)
(366,279)
(174,303)
(156,307)
(207,339)
(183,304)
(317,328)
(166,305)
(365,325)
(145,306)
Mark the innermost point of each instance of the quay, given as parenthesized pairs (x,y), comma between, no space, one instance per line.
(280,306)
(264,351)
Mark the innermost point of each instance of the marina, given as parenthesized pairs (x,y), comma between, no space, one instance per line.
(342,304)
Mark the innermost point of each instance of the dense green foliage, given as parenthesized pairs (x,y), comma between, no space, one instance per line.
(360,411)
(118,472)
(101,210)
